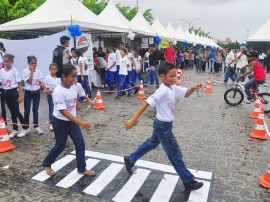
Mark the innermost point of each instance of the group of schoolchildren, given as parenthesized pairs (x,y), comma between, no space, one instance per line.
(62,95)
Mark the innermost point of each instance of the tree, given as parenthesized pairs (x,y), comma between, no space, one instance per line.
(4,8)
(95,6)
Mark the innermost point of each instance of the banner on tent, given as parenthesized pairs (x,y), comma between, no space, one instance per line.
(165,42)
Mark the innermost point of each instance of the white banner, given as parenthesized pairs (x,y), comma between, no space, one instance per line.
(42,48)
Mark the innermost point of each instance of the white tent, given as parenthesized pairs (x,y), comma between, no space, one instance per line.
(171,31)
(263,34)
(115,17)
(189,37)
(57,15)
(158,27)
(139,25)
(180,34)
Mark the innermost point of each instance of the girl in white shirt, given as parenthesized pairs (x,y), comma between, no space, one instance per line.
(123,72)
(50,82)
(110,69)
(32,79)
(10,79)
(65,122)
(136,71)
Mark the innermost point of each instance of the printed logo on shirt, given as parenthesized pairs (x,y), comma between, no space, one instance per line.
(71,103)
(35,83)
(7,84)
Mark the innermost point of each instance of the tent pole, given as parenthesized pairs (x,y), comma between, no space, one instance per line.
(74,38)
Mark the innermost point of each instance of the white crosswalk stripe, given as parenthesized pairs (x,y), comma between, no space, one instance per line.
(132,186)
(152,181)
(74,176)
(104,179)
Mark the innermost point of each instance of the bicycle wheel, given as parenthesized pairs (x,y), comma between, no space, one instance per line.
(233,96)
(266,102)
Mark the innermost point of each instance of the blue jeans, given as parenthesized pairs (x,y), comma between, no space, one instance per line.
(229,74)
(28,97)
(162,133)
(109,76)
(51,106)
(251,83)
(122,84)
(238,71)
(63,129)
(84,84)
(211,65)
(199,64)
(191,63)
(135,75)
(156,76)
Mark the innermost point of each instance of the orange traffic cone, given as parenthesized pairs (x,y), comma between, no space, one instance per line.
(178,81)
(209,86)
(99,104)
(141,94)
(257,109)
(5,144)
(265,179)
(259,131)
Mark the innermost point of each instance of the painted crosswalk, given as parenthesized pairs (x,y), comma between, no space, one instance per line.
(150,181)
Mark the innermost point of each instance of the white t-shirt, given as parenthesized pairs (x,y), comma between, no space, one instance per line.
(111,60)
(138,61)
(79,89)
(261,57)
(81,61)
(146,55)
(118,56)
(230,57)
(242,61)
(9,79)
(130,57)
(51,82)
(73,61)
(37,78)
(123,66)
(64,98)
(164,99)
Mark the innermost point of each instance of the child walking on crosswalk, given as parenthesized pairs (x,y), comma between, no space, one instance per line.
(164,99)
(65,122)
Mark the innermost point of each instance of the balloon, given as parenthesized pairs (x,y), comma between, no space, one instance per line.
(185,43)
(73,33)
(79,33)
(77,27)
(70,28)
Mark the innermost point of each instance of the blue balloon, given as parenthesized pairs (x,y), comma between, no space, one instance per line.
(201,45)
(243,44)
(185,43)
(77,27)
(73,33)
(70,28)
(79,33)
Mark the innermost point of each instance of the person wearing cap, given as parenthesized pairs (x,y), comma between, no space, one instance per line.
(229,65)
(169,53)
(258,77)
(61,54)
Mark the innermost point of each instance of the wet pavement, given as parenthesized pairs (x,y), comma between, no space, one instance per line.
(213,136)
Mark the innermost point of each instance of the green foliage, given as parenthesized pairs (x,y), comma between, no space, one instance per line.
(4,9)
(96,6)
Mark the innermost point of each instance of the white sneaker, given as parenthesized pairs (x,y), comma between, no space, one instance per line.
(38,130)
(13,134)
(24,132)
(51,127)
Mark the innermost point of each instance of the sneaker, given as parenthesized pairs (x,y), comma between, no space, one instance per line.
(136,90)
(118,97)
(51,127)
(38,130)
(128,164)
(248,101)
(192,185)
(13,134)
(24,132)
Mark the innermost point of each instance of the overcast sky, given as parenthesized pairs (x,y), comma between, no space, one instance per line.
(223,18)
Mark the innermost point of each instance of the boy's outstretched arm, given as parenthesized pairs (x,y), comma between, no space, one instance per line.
(130,123)
(192,89)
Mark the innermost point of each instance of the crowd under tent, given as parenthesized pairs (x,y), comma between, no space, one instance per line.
(260,40)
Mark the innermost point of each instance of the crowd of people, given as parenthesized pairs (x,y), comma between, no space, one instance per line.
(123,67)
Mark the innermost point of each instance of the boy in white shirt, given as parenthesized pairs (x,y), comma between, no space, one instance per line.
(110,69)
(136,71)
(164,99)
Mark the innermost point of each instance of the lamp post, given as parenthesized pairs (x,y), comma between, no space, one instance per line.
(189,22)
(138,4)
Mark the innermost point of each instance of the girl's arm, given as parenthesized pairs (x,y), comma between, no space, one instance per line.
(75,120)
(130,123)
(30,79)
(20,98)
(81,71)
(252,65)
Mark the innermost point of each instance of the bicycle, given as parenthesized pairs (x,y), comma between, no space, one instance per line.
(235,96)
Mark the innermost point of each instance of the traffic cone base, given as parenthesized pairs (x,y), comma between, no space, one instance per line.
(209,86)
(258,135)
(265,179)
(259,131)
(99,104)
(141,94)
(5,144)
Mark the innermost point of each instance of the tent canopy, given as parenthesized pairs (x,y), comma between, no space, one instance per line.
(171,31)
(180,34)
(263,34)
(158,27)
(139,25)
(56,15)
